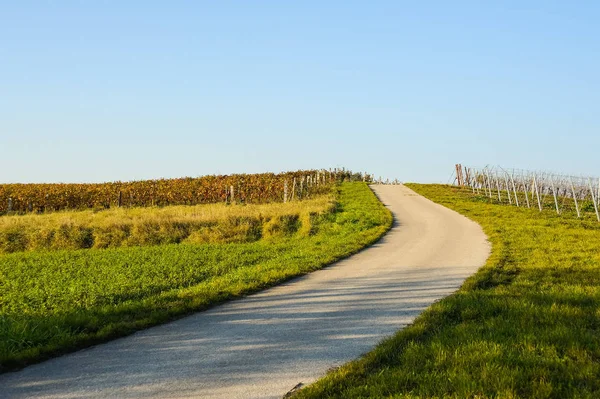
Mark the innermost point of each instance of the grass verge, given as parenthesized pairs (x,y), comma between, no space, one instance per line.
(526,325)
(54,302)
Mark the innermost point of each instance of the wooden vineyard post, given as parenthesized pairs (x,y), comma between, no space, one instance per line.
(10,205)
(537,193)
(525,188)
(498,188)
(301,193)
(469,174)
(293,188)
(554,194)
(232,194)
(285,191)
(507,188)
(489,183)
(598,195)
(512,180)
(458,174)
(594,199)
(458,169)
(461,181)
(532,189)
(575,198)
(470,180)
(484,185)
(120,198)
(481,182)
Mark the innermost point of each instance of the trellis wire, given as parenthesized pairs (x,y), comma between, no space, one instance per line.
(561,193)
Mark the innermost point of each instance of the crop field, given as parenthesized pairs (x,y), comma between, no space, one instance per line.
(526,325)
(57,295)
(245,188)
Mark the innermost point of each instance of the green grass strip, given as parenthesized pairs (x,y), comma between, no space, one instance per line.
(56,302)
(526,325)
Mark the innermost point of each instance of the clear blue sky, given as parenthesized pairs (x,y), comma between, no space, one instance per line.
(103,90)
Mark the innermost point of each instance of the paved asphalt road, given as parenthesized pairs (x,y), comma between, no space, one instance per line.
(265,344)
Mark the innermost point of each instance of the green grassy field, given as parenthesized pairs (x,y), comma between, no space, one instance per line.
(52,302)
(526,325)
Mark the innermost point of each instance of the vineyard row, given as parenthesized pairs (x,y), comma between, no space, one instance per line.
(238,188)
(540,190)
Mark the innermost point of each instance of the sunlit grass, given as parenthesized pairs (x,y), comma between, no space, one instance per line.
(52,302)
(526,325)
(123,227)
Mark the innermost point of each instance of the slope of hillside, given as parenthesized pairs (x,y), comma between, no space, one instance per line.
(525,325)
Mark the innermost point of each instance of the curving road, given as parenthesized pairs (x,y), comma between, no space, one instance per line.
(264,345)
